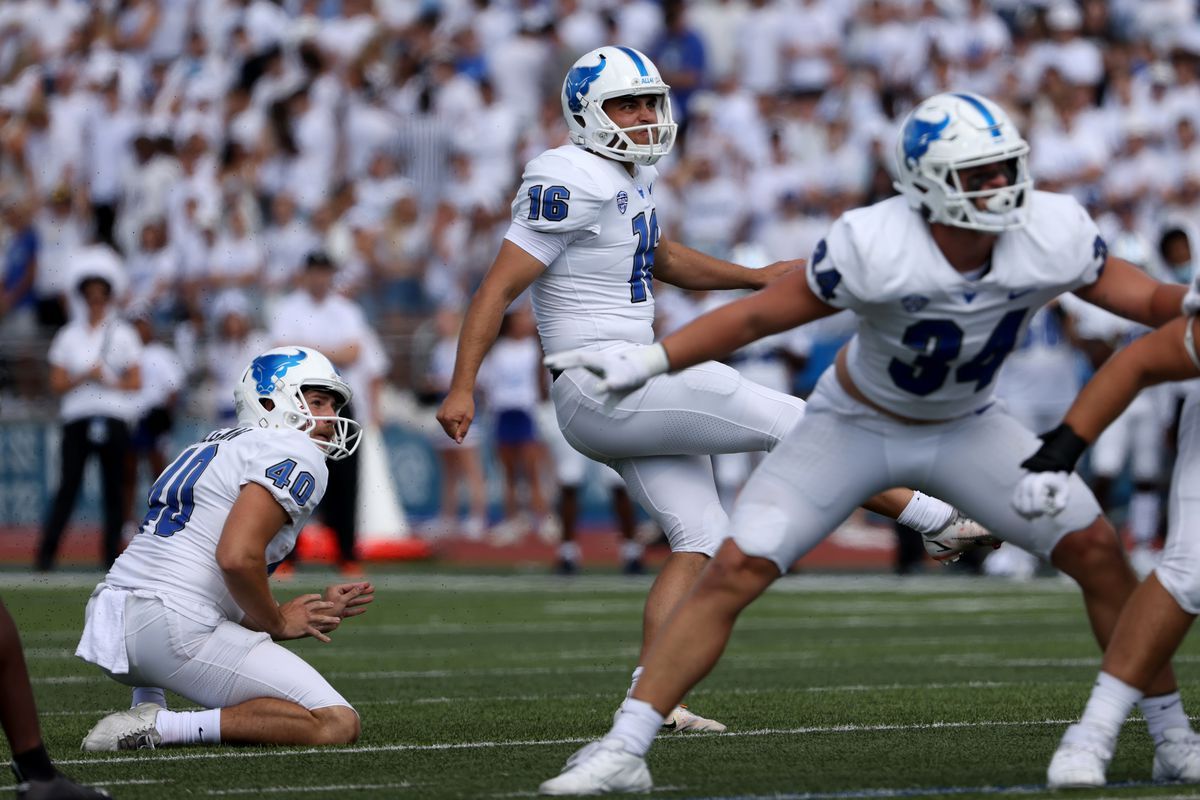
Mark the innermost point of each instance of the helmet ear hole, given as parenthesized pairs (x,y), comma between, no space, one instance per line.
(267,403)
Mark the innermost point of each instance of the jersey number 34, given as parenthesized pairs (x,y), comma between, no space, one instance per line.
(938,341)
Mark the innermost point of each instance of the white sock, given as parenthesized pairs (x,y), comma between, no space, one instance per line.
(146,694)
(636,726)
(189,727)
(925,514)
(631,550)
(1163,713)
(1143,517)
(569,551)
(1111,701)
(637,673)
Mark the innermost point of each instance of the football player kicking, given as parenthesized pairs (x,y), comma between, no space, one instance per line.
(585,235)
(944,279)
(187,606)
(1160,612)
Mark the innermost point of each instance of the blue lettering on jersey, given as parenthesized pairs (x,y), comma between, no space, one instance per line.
(225,434)
(579,80)
(271,367)
(918,134)
(828,280)
(1099,250)
(914,302)
(819,253)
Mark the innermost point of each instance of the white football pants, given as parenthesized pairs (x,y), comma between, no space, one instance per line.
(842,453)
(1179,568)
(215,667)
(661,436)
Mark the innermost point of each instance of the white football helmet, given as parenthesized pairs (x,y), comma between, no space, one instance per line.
(608,72)
(955,131)
(281,376)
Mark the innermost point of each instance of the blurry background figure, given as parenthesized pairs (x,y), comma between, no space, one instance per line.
(1038,382)
(318,317)
(18,303)
(61,231)
(155,403)
(153,272)
(571,471)
(37,779)
(233,344)
(95,367)
(461,464)
(509,379)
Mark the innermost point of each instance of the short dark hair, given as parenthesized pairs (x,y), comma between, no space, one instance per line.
(318,259)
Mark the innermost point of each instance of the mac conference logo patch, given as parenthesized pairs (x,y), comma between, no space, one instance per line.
(622,201)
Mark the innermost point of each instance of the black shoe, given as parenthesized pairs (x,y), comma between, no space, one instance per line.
(633,567)
(566,567)
(60,787)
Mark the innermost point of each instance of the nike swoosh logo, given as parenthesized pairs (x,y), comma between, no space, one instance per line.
(1013,295)
(670,726)
(201,730)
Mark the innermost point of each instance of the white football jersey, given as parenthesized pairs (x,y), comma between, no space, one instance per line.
(930,341)
(599,288)
(174,555)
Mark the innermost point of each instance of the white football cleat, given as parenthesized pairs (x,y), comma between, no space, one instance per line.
(682,719)
(132,729)
(1078,763)
(602,767)
(1178,758)
(959,535)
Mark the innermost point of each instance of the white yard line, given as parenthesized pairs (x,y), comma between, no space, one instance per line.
(143,757)
(300,789)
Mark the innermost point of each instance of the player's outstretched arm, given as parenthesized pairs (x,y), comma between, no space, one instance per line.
(680,265)
(1157,357)
(241,554)
(784,304)
(1129,292)
(510,274)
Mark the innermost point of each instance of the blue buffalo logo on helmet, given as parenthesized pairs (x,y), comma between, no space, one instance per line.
(267,369)
(578,81)
(918,134)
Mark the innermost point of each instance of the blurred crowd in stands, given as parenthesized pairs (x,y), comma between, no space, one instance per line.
(236,159)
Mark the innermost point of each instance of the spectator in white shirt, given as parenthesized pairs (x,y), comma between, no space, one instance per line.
(94,366)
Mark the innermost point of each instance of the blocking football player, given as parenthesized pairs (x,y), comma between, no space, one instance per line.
(187,606)
(944,278)
(585,235)
(1161,610)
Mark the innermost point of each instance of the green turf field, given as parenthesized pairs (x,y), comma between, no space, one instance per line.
(479,686)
